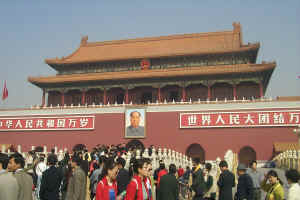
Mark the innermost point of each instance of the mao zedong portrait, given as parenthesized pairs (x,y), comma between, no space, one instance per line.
(135,129)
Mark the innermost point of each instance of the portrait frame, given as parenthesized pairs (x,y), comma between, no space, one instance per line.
(139,132)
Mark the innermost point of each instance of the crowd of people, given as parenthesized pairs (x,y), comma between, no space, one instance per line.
(101,175)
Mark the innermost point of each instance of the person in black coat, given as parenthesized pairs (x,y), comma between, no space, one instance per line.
(123,177)
(169,186)
(245,188)
(226,182)
(51,180)
(198,183)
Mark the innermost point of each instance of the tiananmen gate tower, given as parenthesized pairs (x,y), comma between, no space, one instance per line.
(200,94)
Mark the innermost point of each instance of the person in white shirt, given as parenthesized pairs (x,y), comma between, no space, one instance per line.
(40,168)
(293,177)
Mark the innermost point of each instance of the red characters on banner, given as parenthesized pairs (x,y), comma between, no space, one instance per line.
(4,92)
(47,123)
(240,119)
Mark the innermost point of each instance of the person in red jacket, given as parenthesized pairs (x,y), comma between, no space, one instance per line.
(137,188)
(180,171)
(107,187)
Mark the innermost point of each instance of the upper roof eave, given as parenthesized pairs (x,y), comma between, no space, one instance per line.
(157,73)
(156,47)
(57,61)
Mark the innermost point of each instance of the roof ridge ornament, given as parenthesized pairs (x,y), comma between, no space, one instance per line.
(236,26)
(84,40)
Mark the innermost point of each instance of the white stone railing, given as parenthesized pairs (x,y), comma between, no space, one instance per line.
(289,159)
(167,155)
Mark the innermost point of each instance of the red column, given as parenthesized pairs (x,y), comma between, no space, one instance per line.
(158,95)
(44,98)
(126,96)
(261,90)
(208,92)
(104,96)
(83,97)
(234,91)
(62,98)
(183,94)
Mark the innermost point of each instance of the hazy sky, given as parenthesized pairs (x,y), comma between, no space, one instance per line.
(31,31)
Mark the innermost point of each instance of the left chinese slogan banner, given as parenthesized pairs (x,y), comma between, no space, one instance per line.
(47,123)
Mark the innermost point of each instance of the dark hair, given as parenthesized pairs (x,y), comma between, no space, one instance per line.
(252,162)
(102,159)
(138,164)
(292,175)
(18,158)
(76,159)
(223,163)
(148,160)
(95,165)
(4,160)
(172,169)
(108,165)
(121,161)
(274,174)
(208,166)
(162,166)
(52,159)
(135,112)
(196,160)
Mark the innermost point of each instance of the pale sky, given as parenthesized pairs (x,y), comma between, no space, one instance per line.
(34,30)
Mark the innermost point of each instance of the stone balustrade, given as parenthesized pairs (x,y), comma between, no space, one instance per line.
(289,159)
(169,156)
(164,102)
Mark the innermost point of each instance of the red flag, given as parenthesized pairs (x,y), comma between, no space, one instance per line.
(4,92)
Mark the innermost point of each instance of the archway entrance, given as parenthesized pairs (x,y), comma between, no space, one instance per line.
(136,144)
(196,151)
(246,155)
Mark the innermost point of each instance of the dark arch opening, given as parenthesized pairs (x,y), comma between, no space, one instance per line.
(136,144)
(196,151)
(246,155)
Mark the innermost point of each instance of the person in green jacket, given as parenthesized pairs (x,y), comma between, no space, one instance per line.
(168,186)
(274,187)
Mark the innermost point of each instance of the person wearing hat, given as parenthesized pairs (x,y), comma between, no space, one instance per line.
(245,189)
